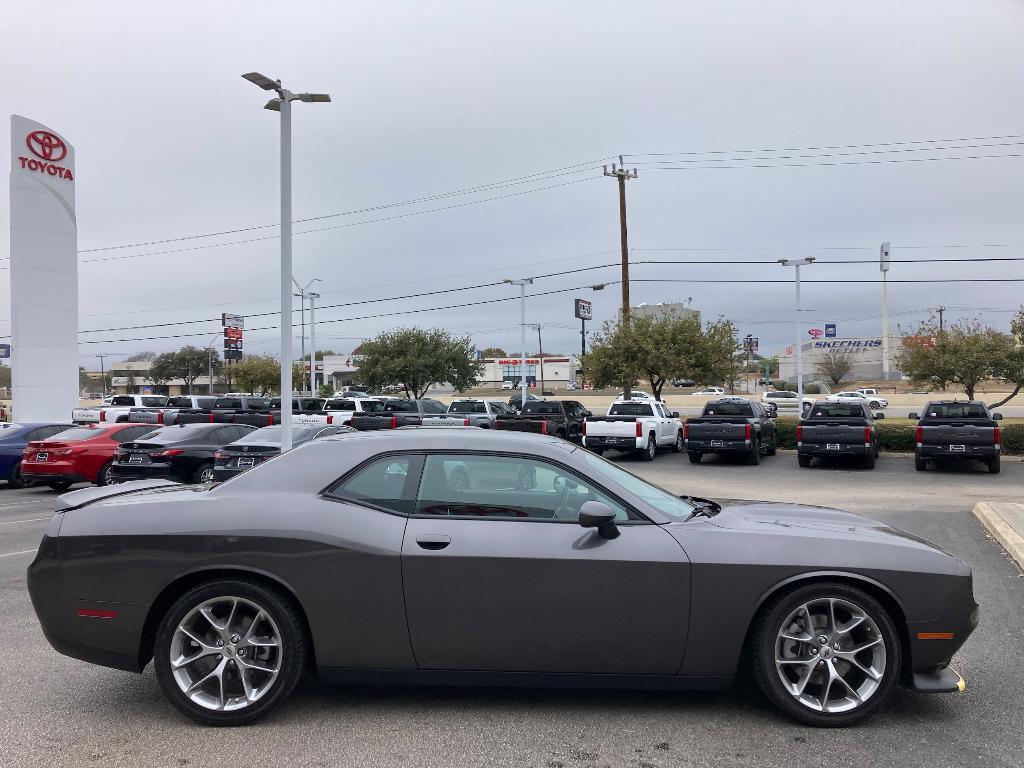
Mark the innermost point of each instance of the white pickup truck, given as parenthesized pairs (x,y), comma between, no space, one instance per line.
(340,410)
(634,425)
(118,409)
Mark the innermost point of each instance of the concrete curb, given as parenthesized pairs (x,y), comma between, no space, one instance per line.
(990,515)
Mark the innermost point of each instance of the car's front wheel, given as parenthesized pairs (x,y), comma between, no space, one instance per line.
(679,444)
(826,654)
(651,450)
(229,651)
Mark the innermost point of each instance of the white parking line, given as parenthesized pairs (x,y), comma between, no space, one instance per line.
(30,520)
(23,552)
(14,504)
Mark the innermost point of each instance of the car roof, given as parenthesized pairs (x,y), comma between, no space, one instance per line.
(454,438)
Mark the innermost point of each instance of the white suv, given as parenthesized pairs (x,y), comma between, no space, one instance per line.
(785,399)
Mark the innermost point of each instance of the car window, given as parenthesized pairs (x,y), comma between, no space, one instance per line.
(956,410)
(467,406)
(381,483)
(126,400)
(130,433)
(542,406)
(726,408)
(837,410)
(78,433)
(508,487)
(630,409)
(42,433)
(400,406)
(154,402)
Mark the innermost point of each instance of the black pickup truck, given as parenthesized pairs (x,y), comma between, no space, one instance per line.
(561,418)
(226,409)
(301,406)
(398,413)
(731,426)
(957,430)
(838,429)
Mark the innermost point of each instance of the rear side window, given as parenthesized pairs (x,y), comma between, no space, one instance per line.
(728,409)
(467,406)
(401,406)
(957,411)
(228,402)
(124,400)
(837,410)
(154,402)
(381,483)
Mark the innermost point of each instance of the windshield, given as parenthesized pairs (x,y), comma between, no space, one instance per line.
(657,497)
(631,409)
(467,406)
(725,408)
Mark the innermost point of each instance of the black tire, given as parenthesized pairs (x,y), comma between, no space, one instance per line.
(694,456)
(14,478)
(774,447)
(293,649)
(803,461)
(679,444)
(204,469)
(874,404)
(777,612)
(993,465)
(598,451)
(103,476)
(920,463)
(754,457)
(868,462)
(60,485)
(651,450)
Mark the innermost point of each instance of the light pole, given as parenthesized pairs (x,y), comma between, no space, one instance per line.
(796,264)
(283,104)
(312,343)
(883,266)
(522,329)
(303,294)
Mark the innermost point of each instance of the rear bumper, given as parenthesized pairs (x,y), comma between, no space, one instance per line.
(600,442)
(970,452)
(51,471)
(843,449)
(718,446)
(124,472)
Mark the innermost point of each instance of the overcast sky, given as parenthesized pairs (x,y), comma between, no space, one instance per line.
(432,98)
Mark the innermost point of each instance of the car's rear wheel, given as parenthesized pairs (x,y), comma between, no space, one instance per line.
(229,651)
(694,457)
(103,477)
(827,654)
(204,474)
(993,465)
(651,450)
(920,463)
(774,447)
(868,462)
(803,461)
(677,446)
(754,457)
(14,478)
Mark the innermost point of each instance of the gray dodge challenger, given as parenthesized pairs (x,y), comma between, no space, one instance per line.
(465,557)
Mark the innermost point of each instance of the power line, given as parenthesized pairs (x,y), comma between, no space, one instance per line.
(837,163)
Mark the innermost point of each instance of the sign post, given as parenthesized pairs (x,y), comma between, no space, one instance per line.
(44,272)
(584,311)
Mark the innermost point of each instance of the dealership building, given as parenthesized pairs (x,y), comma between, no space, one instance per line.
(866,354)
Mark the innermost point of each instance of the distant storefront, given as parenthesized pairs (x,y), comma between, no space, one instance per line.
(558,371)
(866,354)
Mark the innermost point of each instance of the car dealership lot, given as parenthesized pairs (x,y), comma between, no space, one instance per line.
(62,712)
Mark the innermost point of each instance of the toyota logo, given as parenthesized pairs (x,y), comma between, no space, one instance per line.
(46,145)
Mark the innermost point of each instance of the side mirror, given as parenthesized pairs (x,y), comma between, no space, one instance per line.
(997,417)
(675,414)
(597,514)
(913,415)
(878,416)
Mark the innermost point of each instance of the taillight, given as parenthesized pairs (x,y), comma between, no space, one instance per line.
(166,454)
(330,420)
(918,434)
(218,455)
(211,418)
(746,432)
(465,422)
(799,433)
(686,430)
(103,415)
(270,419)
(997,436)
(160,417)
(394,422)
(543,427)
(639,428)
(867,434)
(583,428)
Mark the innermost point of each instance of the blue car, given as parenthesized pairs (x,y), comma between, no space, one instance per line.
(13,439)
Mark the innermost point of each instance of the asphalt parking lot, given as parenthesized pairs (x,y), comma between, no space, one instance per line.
(57,711)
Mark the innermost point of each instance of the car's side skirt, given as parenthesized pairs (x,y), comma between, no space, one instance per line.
(345,675)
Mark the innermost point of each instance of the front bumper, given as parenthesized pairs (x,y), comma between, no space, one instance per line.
(934,643)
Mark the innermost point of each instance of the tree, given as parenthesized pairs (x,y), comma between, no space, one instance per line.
(1011,368)
(5,376)
(967,353)
(419,359)
(257,373)
(188,364)
(141,357)
(489,352)
(660,349)
(835,366)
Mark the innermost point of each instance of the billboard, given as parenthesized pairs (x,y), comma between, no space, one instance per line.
(5,351)
(830,330)
(584,309)
(44,272)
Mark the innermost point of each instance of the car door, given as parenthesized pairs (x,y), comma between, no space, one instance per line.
(499,576)
(666,429)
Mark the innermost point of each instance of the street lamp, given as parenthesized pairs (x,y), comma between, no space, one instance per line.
(312,343)
(282,104)
(522,327)
(303,294)
(796,264)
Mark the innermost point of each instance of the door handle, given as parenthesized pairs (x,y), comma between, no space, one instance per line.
(433,541)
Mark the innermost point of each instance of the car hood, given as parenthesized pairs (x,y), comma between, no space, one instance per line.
(798,520)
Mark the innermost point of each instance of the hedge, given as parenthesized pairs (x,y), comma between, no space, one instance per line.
(899,438)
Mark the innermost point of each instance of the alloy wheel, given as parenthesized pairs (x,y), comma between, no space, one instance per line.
(226,654)
(830,655)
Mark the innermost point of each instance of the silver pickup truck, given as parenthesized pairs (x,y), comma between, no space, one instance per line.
(119,409)
(480,413)
(169,413)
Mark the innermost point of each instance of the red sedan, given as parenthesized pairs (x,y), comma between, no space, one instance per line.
(77,455)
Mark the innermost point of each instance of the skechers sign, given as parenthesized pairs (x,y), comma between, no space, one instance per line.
(849,345)
(49,149)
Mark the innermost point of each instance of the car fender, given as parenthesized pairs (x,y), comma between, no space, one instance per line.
(823,575)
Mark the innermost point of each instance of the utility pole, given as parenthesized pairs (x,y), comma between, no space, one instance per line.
(620,173)
(940,310)
(209,370)
(103,376)
(312,344)
(540,355)
(883,265)
(302,343)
